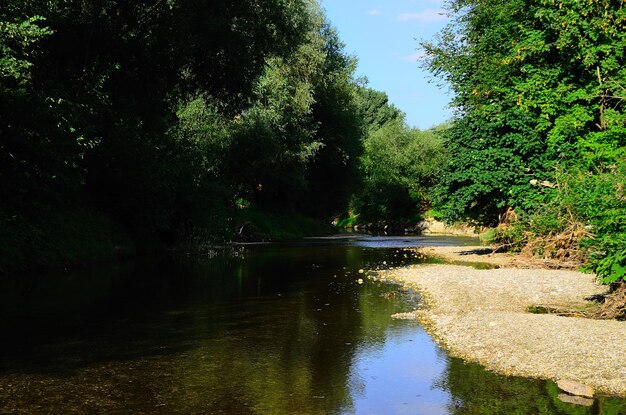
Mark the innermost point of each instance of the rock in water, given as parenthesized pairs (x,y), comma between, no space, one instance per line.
(576,400)
(575,388)
(404,316)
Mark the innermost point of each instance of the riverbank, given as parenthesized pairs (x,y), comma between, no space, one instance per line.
(253,225)
(482,316)
(76,233)
(487,255)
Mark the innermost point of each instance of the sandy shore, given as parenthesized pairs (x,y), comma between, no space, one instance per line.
(481,315)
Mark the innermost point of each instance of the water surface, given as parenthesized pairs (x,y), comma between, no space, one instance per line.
(273,329)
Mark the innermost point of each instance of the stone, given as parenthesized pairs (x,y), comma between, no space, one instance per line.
(576,400)
(575,388)
(404,316)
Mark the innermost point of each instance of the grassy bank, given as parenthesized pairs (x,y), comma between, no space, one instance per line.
(76,233)
(56,238)
(257,225)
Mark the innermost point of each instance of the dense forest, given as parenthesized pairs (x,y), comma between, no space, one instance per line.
(537,145)
(128,127)
(180,123)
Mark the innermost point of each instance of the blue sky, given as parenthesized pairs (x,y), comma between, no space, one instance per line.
(382,35)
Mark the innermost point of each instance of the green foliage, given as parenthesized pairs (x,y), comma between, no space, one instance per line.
(511,236)
(532,91)
(278,227)
(612,268)
(333,174)
(202,203)
(584,220)
(494,143)
(376,109)
(17,43)
(298,133)
(597,199)
(539,98)
(347,221)
(275,139)
(399,166)
(434,214)
(162,115)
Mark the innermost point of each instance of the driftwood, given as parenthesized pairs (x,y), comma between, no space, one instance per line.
(558,310)
(610,306)
(613,306)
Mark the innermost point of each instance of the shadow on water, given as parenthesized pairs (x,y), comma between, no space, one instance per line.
(154,302)
(281,329)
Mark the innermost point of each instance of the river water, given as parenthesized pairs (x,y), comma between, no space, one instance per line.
(267,329)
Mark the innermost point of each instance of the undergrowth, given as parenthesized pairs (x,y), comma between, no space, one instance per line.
(69,235)
(263,225)
(584,222)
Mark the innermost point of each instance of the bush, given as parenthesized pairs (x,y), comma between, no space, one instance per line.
(71,233)
(584,220)
(597,199)
(277,226)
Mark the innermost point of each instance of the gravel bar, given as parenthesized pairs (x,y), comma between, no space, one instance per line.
(481,316)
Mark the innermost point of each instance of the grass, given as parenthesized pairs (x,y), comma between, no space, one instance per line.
(348,221)
(280,227)
(74,233)
(67,235)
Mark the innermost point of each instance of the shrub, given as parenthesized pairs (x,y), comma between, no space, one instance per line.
(584,220)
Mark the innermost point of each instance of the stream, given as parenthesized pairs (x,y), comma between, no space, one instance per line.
(290,328)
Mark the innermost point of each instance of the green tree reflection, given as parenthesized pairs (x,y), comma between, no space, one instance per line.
(476,391)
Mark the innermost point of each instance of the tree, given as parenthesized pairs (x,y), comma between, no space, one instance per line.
(333,174)
(17,42)
(528,97)
(105,88)
(538,96)
(399,165)
(375,108)
(137,110)
(297,146)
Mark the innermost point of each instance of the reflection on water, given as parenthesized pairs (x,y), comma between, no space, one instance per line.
(277,330)
(477,391)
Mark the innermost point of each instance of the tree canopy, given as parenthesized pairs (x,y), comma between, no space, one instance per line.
(166,116)
(539,100)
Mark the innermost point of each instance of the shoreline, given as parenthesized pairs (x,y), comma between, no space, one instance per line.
(486,255)
(481,315)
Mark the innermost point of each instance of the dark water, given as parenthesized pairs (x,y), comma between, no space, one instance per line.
(274,329)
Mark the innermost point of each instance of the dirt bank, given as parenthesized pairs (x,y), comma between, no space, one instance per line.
(487,255)
(481,315)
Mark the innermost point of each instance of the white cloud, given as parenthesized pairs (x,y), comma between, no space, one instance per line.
(374,12)
(428,15)
(413,57)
